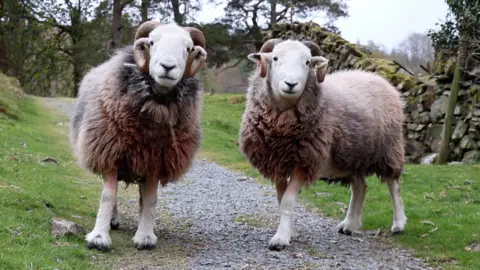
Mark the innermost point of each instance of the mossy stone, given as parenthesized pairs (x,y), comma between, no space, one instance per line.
(449,68)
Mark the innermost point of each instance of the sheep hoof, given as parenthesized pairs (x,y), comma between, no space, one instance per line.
(347,227)
(145,241)
(398,226)
(346,231)
(278,243)
(99,241)
(114,224)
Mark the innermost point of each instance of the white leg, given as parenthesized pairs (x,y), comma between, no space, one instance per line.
(288,201)
(115,222)
(399,218)
(145,237)
(353,219)
(99,238)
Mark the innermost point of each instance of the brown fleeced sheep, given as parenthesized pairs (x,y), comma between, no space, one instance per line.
(303,125)
(137,120)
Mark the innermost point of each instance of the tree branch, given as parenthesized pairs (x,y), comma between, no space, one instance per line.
(231,66)
(281,15)
(124,3)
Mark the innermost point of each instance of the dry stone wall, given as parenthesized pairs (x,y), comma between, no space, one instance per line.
(426,98)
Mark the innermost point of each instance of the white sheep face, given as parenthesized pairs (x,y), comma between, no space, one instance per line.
(170,45)
(288,67)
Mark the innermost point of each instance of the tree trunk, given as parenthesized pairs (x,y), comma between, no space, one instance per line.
(443,154)
(116,31)
(3,46)
(144,10)
(273,13)
(77,77)
(177,16)
(3,54)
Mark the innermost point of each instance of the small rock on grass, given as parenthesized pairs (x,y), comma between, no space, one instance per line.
(475,247)
(49,159)
(61,227)
(468,182)
(242,178)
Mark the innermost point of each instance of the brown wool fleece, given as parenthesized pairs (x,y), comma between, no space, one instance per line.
(124,121)
(349,125)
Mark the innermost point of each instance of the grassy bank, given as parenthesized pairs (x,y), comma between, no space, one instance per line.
(32,192)
(442,202)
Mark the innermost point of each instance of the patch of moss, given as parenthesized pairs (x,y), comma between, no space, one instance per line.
(412,100)
(474,92)
(383,74)
(428,98)
(355,50)
(11,94)
(449,67)
(386,65)
(400,78)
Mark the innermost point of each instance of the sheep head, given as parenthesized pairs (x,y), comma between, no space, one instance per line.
(289,63)
(169,52)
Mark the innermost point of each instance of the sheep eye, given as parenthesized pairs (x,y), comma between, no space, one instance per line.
(275,58)
(308,63)
(151,42)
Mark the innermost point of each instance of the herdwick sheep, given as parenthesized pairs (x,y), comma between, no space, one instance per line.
(137,120)
(301,124)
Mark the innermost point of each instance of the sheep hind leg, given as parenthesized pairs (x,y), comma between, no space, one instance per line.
(399,217)
(287,199)
(99,237)
(145,237)
(353,219)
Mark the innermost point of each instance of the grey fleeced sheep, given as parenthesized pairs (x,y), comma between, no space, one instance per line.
(302,124)
(137,120)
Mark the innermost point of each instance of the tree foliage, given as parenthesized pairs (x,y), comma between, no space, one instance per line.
(50,44)
(462,19)
(464,24)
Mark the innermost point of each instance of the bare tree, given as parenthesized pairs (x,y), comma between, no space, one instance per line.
(116,34)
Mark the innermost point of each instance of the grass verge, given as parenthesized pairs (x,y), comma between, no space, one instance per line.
(442,203)
(32,192)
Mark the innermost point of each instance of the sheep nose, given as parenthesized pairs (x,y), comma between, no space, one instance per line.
(291,85)
(168,67)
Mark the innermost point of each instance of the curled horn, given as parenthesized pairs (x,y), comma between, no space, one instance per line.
(316,51)
(141,47)
(198,40)
(266,48)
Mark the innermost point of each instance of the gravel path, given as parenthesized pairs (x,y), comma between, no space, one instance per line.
(218,219)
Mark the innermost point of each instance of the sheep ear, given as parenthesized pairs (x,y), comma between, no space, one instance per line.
(141,54)
(195,61)
(261,60)
(254,57)
(320,66)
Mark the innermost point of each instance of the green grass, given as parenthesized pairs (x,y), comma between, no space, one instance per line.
(443,212)
(33,192)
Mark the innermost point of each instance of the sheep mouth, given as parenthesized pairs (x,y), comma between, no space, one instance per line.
(166,77)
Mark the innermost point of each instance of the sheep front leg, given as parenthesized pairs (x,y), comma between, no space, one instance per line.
(353,219)
(399,218)
(115,221)
(287,196)
(99,238)
(145,237)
